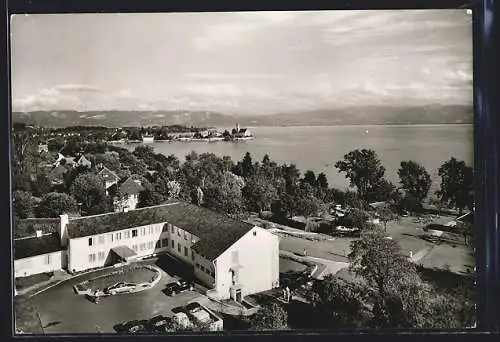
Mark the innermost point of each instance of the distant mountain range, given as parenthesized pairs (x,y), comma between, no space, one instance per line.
(368,115)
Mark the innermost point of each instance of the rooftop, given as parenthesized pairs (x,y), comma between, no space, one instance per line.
(32,246)
(28,227)
(216,232)
(131,186)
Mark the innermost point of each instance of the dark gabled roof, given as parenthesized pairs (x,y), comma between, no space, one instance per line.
(57,173)
(131,186)
(32,246)
(28,227)
(216,232)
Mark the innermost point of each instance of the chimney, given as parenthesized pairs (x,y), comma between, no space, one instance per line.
(38,233)
(63,231)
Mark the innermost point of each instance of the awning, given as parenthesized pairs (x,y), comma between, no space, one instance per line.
(124,252)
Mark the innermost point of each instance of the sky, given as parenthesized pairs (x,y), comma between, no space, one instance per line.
(241,63)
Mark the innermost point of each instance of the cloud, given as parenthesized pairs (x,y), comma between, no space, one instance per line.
(239,27)
(70,96)
(77,88)
(230,76)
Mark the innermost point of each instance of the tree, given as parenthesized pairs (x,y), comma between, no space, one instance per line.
(363,169)
(306,202)
(383,191)
(41,185)
(223,193)
(88,189)
(457,184)
(400,298)
(247,168)
(150,196)
(356,218)
(309,178)
(385,214)
(322,182)
(414,179)
(270,317)
(337,304)
(23,204)
(54,204)
(259,193)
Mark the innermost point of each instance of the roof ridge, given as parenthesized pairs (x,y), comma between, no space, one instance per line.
(119,212)
(34,236)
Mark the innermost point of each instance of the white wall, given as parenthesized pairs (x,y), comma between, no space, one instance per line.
(79,249)
(38,264)
(259,257)
(202,275)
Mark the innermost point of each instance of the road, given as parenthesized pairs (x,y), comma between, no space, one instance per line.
(63,311)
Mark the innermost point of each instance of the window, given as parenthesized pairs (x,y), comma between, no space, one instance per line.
(134,247)
(197,265)
(150,230)
(118,236)
(101,255)
(150,244)
(91,258)
(134,232)
(90,241)
(111,237)
(178,232)
(185,251)
(143,231)
(165,227)
(126,234)
(100,239)
(172,229)
(192,255)
(48,259)
(158,244)
(254,233)
(173,244)
(164,243)
(178,247)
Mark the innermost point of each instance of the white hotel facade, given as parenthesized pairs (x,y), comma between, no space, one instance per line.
(231,257)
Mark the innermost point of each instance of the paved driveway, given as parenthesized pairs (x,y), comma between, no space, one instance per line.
(63,311)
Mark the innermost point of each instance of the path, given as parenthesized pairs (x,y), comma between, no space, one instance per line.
(421,254)
(330,267)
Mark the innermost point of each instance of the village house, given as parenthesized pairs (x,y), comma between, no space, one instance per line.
(43,148)
(62,160)
(127,194)
(110,178)
(230,257)
(82,161)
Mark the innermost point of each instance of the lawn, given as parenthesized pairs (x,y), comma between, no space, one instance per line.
(129,274)
(25,282)
(290,265)
(26,316)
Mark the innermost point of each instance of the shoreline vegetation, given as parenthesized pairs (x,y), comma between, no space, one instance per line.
(64,175)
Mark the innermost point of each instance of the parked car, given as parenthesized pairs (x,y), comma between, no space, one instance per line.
(120,288)
(177,287)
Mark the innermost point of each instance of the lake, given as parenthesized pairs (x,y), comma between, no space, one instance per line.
(318,148)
